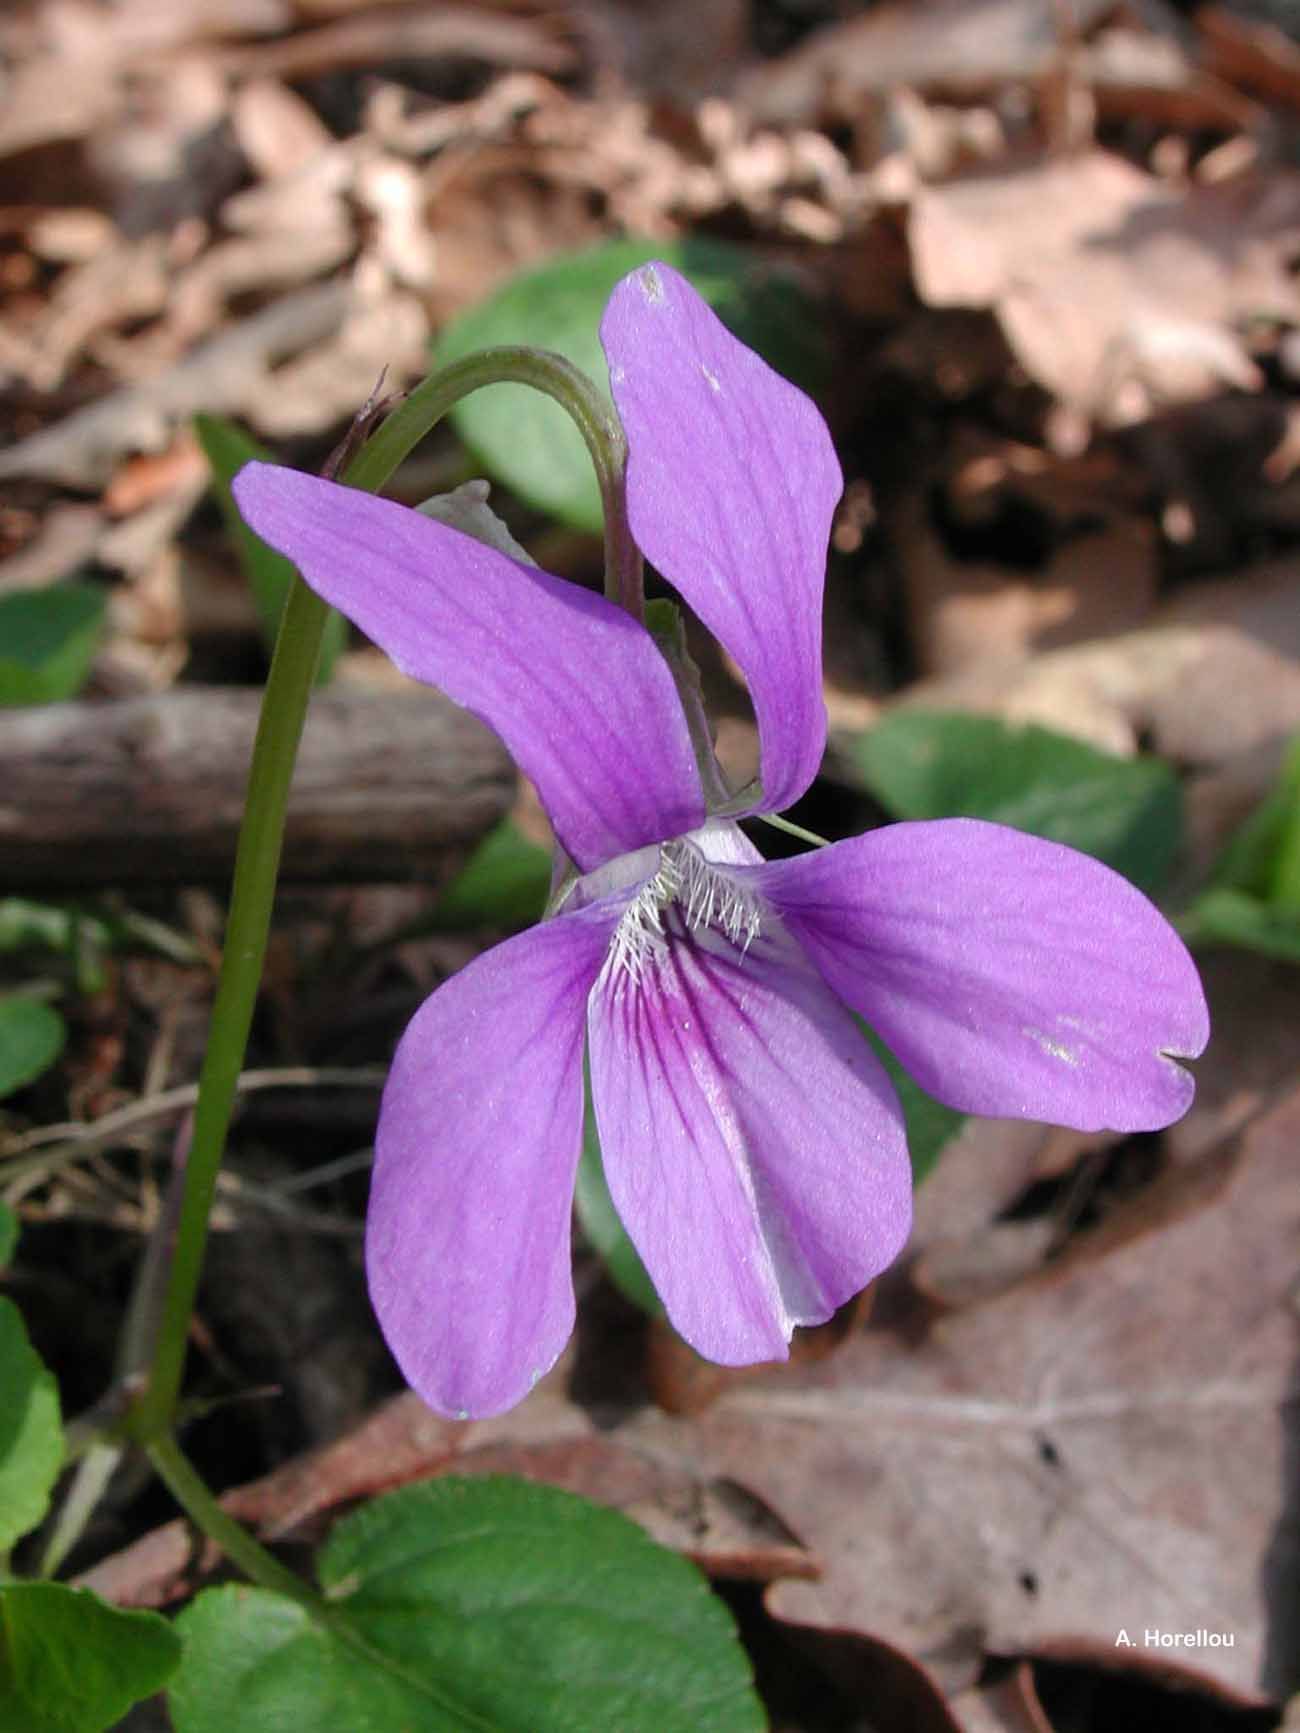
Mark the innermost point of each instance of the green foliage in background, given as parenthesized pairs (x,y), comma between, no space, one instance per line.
(504,883)
(1126,812)
(48,640)
(528,442)
(71,1663)
(32,1035)
(1253,897)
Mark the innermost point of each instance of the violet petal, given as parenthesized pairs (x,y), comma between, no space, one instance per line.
(467,1235)
(1011,976)
(575,688)
(753,1146)
(732,483)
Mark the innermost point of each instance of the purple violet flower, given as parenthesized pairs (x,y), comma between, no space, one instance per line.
(753,1144)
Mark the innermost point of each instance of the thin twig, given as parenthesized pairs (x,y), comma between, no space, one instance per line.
(66,1143)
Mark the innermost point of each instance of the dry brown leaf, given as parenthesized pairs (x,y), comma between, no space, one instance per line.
(883,1690)
(1137,74)
(1215,675)
(56,96)
(145,480)
(397,123)
(259,263)
(965,612)
(394,194)
(1108,282)
(124,281)
(277,131)
(675,49)
(718,1523)
(229,375)
(166,157)
(958,46)
(1251,52)
(1102,1449)
(966,1272)
(989,1162)
(1009,1706)
(387,33)
(383,334)
(67,538)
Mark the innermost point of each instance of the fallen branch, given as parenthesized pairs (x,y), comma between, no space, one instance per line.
(150,790)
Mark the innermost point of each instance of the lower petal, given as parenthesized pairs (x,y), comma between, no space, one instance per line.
(1011,976)
(753,1146)
(467,1234)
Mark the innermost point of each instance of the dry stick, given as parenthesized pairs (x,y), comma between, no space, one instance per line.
(150,791)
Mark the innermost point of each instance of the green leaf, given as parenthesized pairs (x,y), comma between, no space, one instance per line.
(1126,812)
(29,925)
(1246,864)
(48,639)
(1262,859)
(1284,874)
(504,883)
(1228,917)
(1253,897)
(31,1435)
(31,1038)
(8,1235)
(71,1663)
(466,1604)
(270,576)
(528,442)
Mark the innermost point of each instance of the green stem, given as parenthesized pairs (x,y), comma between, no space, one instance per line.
(547,372)
(791,829)
(284,709)
(257,862)
(191,1492)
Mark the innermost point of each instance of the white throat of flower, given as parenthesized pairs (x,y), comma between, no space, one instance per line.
(701,896)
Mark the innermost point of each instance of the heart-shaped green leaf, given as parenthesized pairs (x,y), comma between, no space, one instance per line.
(71,1663)
(31,1038)
(488,1605)
(1124,811)
(48,639)
(504,883)
(31,1434)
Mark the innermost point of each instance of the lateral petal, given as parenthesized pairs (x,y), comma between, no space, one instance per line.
(753,1145)
(1011,976)
(732,484)
(573,685)
(467,1234)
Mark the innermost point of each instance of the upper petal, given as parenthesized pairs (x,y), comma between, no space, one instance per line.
(753,1146)
(732,482)
(467,1234)
(575,688)
(1011,976)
